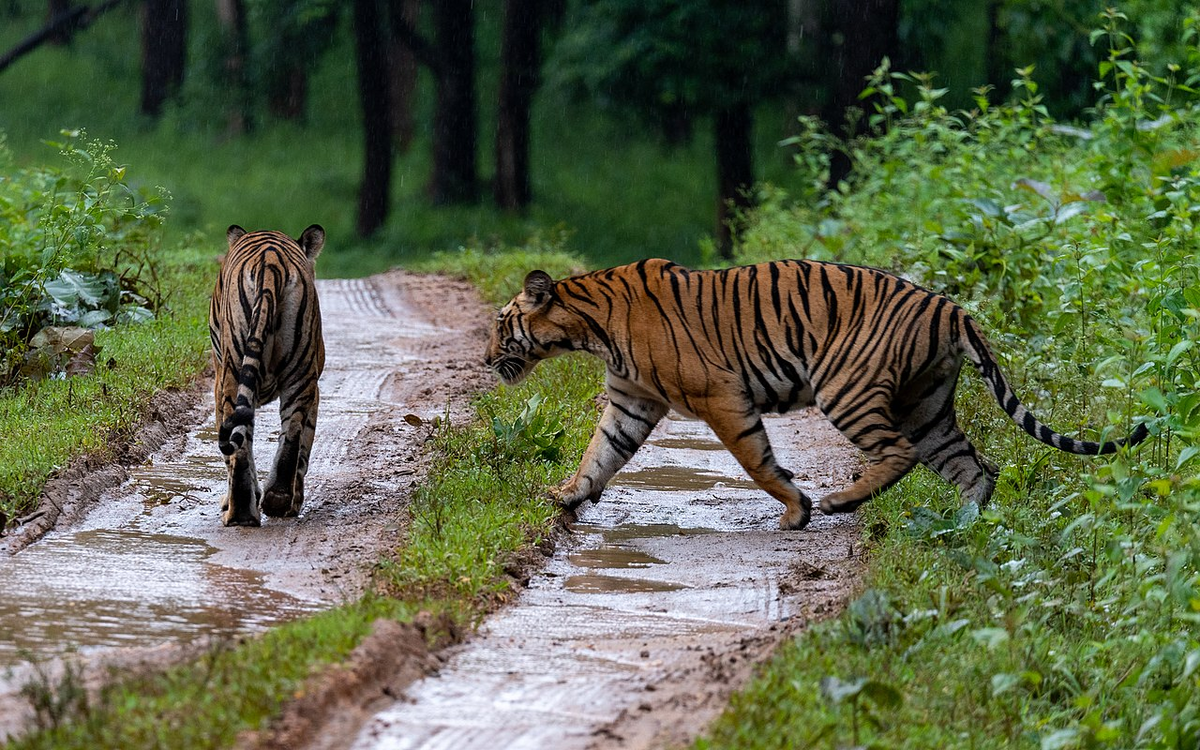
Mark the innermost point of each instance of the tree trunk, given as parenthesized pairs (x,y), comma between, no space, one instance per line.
(231,15)
(402,73)
(454,177)
(868,32)
(288,95)
(57,9)
(164,52)
(373,195)
(520,60)
(734,126)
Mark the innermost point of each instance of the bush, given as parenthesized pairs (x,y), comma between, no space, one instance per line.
(1067,614)
(77,249)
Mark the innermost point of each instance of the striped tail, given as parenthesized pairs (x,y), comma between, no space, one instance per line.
(981,356)
(238,426)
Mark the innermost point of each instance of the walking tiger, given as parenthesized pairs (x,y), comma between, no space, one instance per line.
(265,326)
(877,354)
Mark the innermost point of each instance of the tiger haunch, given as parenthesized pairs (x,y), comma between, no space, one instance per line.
(265,326)
(877,354)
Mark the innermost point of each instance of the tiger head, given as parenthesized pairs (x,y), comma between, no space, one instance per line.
(533,326)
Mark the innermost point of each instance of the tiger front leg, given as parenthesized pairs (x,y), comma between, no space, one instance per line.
(285,486)
(626,423)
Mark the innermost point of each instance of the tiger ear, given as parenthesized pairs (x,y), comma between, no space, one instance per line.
(233,234)
(539,287)
(312,240)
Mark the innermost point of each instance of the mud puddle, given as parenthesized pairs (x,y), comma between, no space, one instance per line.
(644,622)
(150,564)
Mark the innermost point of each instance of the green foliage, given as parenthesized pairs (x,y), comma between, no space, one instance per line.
(486,498)
(77,247)
(654,56)
(1067,614)
(533,433)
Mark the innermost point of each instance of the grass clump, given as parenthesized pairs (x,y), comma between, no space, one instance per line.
(80,251)
(1067,614)
(233,687)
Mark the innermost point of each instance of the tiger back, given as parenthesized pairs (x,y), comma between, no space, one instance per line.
(877,354)
(265,325)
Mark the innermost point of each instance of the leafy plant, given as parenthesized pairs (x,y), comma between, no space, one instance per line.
(533,432)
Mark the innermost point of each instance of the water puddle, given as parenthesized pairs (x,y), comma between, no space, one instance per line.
(695,444)
(660,573)
(127,588)
(613,556)
(602,584)
(679,478)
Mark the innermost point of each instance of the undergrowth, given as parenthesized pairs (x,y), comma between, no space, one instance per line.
(1067,613)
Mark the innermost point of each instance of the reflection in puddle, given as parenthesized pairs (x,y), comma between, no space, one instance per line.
(678,478)
(600,584)
(627,531)
(128,588)
(613,556)
(695,444)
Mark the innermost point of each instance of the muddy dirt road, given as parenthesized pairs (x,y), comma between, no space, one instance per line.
(633,635)
(652,614)
(147,563)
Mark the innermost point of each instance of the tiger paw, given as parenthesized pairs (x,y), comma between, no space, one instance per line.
(570,496)
(794,520)
(838,502)
(279,504)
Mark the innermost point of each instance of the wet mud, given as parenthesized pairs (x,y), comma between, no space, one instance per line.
(654,610)
(145,565)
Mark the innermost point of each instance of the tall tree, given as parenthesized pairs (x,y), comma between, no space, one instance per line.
(450,55)
(231,16)
(866,30)
(520,60)
(300,31)
(374,193)
(708,57)
(164,52)
(402,72)
(56,9)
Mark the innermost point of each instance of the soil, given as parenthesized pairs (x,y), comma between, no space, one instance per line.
(632,633)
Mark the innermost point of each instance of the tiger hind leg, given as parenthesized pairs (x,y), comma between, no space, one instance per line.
(743,434)
(241,504)
(870,426)
(947,451)
(930,423)
(285,486)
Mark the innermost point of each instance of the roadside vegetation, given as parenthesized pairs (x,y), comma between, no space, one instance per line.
(1067,614)
(94,314)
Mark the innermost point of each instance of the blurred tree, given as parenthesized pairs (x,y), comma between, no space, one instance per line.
(656,58)
(164,52)
(370,42)
(861,33)
(54,10)
(295,34)
(402,72)
(231,16)
(451,57)
(520,61)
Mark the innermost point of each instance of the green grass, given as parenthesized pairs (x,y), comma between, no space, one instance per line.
(45,424)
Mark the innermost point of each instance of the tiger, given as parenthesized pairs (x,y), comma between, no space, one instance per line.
(265,324)
(877,354)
